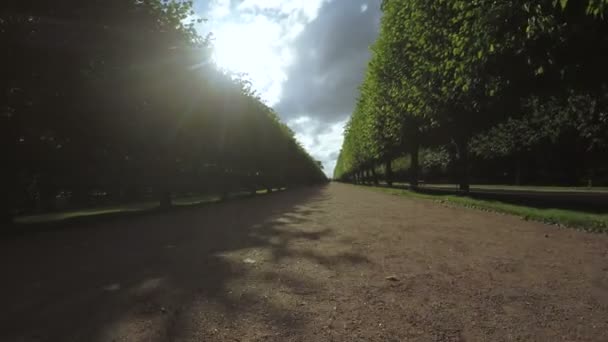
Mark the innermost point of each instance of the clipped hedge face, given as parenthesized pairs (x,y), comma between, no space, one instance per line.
(492,80)
(113,95)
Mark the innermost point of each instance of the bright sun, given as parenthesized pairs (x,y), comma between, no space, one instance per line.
(253,48)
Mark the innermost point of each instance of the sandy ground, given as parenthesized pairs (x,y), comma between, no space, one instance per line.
(335,263)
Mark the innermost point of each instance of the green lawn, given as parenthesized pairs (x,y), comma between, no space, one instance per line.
(66,215)
(568,218)
(515,187)
(126,208)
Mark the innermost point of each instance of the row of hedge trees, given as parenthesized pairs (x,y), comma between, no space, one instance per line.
(515,87)
(118,99)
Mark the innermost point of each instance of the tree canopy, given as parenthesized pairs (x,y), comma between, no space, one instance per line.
(485,80)
(119,100)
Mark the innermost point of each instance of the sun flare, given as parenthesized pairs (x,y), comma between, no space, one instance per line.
(254,49)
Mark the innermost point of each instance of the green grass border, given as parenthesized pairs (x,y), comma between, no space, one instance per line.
(505,187)
(596,223)
(126,209)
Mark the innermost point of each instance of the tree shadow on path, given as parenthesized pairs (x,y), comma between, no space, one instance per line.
(186,275)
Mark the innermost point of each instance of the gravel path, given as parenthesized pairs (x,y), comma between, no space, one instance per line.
(335,263)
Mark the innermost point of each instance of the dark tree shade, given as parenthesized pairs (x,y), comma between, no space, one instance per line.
(115,100)
(493,84)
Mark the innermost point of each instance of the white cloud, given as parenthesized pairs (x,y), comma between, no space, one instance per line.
(306,9)
(253,47)
(272,39)
(256,37)
(322,141)
(219,9)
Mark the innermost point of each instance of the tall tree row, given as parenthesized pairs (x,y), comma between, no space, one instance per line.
(116,99)
(494,83)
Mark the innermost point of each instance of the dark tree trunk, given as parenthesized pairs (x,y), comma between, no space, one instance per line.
(388,172)
(590,178)
(590,167)
(518,167)
(224,195)
(225,185)
(47,197)
(132,193)
(165,199)
(6,212)
(9,186)
(80,197)
(374,175)
(414,164)
(9,193)
(463,165)
(165,181)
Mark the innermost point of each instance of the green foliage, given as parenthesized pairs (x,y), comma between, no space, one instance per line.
(498,78)
(435,160)
(119,97)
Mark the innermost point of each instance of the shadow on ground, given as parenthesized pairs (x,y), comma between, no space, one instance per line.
(167,276)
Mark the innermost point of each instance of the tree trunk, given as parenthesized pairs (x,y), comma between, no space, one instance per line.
(374,175)
(463,165)
(414,164)
(224,195)
(590,178)
(7,199)
(7,206)
(165,199)
(518,167)
(80,197)
(9,186)
(6,211)
(165,180)
(47,197)
(590,160)
(388,172)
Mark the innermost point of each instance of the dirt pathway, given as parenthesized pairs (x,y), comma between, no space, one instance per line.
(307,265)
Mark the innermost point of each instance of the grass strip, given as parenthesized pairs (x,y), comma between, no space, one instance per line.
(114,210)
(590,222)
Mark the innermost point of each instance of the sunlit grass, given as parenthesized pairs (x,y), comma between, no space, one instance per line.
(531,188)
(66,215)
(564,217)
(129,208)
(195,200)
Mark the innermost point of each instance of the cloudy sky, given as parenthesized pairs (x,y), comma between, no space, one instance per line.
(305,58)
